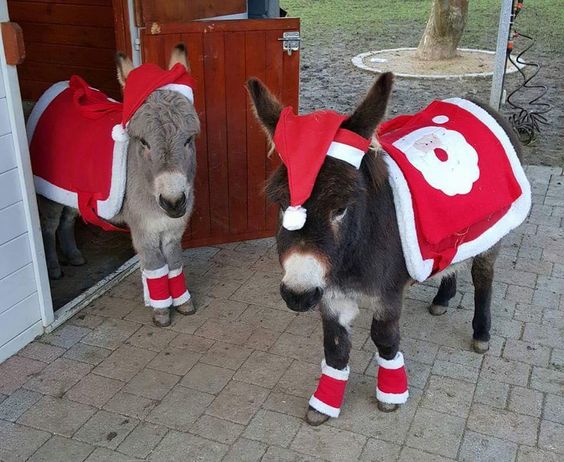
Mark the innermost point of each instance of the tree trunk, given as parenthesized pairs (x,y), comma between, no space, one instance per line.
(444,30)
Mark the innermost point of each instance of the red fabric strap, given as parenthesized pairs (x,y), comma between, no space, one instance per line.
(352,139)
(330,391)
(158,288)
(177,285)
(89,215)
(392,380)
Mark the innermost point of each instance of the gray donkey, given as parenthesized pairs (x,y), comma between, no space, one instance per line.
(158,188)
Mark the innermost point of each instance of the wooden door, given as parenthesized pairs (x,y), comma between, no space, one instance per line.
(148,11)
(232,151)
(63,38)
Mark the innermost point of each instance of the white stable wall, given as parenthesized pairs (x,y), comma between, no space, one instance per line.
(25,306)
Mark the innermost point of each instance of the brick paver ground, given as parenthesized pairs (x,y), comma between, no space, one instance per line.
(232,382)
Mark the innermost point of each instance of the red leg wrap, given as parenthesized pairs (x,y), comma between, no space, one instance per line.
(330,392)
(155,288)
(392,386)
(177,287)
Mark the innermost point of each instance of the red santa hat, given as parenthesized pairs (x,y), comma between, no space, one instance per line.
(303,142)
(144,80)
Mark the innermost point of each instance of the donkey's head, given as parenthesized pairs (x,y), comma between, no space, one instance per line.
(162,135)
(313,256)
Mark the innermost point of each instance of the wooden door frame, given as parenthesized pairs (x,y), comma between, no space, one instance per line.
(122,25)
(21,151)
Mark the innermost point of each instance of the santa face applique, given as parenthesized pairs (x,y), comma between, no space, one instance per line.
(444,157)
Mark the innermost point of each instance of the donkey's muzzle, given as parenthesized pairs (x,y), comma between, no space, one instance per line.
(301,301)
(173,208)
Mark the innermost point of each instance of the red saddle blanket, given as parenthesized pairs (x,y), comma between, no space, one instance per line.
(74,159)
(458,184)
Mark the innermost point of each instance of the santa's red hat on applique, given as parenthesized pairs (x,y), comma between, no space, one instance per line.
(144,80)
(303,142)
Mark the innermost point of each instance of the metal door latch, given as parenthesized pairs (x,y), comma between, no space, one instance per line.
(290,41)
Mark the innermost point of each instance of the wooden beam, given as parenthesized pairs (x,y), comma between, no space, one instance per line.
(14,48)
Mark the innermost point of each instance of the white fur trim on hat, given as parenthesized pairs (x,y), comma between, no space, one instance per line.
(294,218)
(338,374)
(395,363)
(184,90)
(320,406)
(119,134)
(347,153)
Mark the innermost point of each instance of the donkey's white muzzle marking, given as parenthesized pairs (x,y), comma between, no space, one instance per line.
(303,272)
(171,185)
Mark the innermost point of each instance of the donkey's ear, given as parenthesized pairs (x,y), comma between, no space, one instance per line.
(372,109)
(267,107)
(179,55)
(124,67)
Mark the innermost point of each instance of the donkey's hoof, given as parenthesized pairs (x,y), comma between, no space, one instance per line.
(76,259)
(187,308)
(480,346)
(437,310)
(55,272)
(161,317)
(387,407)
(315,418)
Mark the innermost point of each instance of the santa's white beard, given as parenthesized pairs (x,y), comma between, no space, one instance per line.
(454,176)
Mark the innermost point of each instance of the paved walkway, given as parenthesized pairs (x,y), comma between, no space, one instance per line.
(232,382)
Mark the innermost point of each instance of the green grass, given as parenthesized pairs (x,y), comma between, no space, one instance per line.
(401,22)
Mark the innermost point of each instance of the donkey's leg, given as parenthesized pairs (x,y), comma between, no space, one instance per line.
(447,290)
(153,263)
(391,385)
(386,336)
(172,250)
(482,277)
(66,237)
(50,217)
(337,314)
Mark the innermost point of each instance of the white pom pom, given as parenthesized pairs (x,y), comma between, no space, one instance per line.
(294,218)
(119,134)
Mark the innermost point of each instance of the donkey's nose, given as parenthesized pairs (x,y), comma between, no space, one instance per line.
(301,301)
(174,208)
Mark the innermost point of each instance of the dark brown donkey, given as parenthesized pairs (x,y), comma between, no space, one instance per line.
(349,250)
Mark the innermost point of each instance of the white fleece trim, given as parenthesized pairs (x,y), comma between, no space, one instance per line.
(46,98)
(337,374)
(160,303)
(420,269)
(518,211)
(346,153)
(184,90)
(157,273)
(174,273)
(110,207)
(147,298)
(320,406)
(390,364)
(54,193)
(182,299)
(392,398)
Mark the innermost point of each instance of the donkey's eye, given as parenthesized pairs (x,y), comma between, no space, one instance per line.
(338,214)
(188,141)
(144,143)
